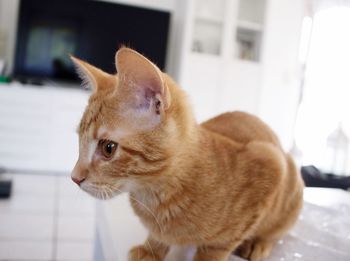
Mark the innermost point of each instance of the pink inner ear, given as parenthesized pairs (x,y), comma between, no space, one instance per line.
(146,92)
(146,98)
(145,95)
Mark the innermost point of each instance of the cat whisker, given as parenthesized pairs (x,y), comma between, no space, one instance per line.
(105,193)
(150,211)
(109,191)
(143,205)
(149,245)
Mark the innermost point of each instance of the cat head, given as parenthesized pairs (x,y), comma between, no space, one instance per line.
(133,125)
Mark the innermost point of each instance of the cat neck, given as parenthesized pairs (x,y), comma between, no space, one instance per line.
(194,154)
(194,159)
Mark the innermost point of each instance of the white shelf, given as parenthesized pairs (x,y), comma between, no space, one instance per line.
(247,63)
(248,25)
(209,19)
(205,57)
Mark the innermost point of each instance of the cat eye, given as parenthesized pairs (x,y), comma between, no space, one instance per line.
(107,148)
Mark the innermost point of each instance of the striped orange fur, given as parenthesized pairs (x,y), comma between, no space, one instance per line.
(224,185)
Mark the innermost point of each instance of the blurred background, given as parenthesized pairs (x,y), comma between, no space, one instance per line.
(286,61)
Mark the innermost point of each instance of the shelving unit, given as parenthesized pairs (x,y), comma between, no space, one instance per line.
(211,20)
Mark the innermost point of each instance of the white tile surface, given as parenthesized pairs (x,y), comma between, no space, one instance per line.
(43,211)
(21,203)
(34,185)
(74,251)
(26,227)
(31,194)
(80,205)
(68,188)
(72,200)
(76,228)
(25,250)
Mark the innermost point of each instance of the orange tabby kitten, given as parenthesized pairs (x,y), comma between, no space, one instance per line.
(222,186)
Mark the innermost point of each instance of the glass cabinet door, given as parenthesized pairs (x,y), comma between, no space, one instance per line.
(249,29)
(208,26)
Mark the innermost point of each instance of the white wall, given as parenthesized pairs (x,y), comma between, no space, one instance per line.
(280,89)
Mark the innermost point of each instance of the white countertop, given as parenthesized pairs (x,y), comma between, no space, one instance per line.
(119,229)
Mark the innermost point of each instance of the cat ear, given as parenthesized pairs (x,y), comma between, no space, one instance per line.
(143,79)
(91,76)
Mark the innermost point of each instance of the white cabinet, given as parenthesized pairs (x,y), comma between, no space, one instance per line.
(242,55)
(38,127)
(221,68)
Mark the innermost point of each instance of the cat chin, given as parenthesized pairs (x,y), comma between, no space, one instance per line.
(100,193)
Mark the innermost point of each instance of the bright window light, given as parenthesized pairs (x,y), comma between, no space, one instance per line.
(305,38)
(326,100)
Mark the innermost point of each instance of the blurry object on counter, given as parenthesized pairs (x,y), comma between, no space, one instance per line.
(5,185)
(3,78)
(337,150)
(313,177)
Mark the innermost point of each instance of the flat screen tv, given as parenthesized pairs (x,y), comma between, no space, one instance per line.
(49,31)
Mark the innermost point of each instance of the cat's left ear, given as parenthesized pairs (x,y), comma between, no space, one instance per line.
(91,76)
(143,80)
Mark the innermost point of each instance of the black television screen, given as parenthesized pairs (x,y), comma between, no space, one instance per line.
(49,31)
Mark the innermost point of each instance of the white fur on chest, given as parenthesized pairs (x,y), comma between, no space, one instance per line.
(183,253)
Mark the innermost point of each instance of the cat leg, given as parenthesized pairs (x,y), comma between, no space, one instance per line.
(151,250)
(212,254)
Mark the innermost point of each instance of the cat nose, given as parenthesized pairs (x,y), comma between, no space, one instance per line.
(78,181)
(79,174)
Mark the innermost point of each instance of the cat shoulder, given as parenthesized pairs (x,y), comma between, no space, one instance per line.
(264,161)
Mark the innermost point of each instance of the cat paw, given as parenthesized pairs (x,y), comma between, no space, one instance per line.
(139,253)
(255,250)
(260,250)
(245,249)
